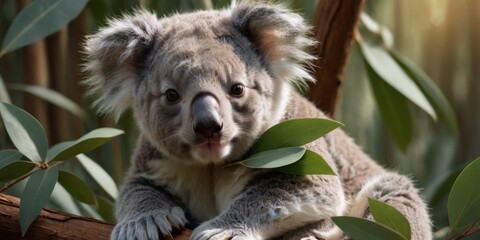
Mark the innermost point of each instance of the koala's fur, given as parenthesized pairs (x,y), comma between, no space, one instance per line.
(179,176)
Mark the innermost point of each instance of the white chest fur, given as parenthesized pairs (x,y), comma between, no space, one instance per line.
(205,190)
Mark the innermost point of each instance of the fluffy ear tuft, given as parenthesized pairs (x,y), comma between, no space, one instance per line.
(112,58)
(280,36)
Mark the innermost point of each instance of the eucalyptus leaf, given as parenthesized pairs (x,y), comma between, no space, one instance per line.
(105,209)
(4,96)
(441,187)
(51,96)
(393,108)
(98,9)
(440,104)
(9,156)
(65,202)
(390,72)
(77,188)
(294,133)
(25,131)
(15,170)
(464,198)
(38,20)
(36,194)
(274,158)
(390,217)
(222,4)
(58,148)
(379,32)
(362,229)
(203,4)
(84,144)
(310,163)
(99,175)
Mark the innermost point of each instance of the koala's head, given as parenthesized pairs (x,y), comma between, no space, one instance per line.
(203,86)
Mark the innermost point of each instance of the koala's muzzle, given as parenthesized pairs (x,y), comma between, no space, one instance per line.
(207,122)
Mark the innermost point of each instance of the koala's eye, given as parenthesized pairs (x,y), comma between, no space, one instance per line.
(237,90)
(172,96)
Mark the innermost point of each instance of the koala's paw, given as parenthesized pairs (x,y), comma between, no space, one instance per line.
(152,225)
(207,231)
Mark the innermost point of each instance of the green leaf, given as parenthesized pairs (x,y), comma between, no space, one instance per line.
(310,163)
(36,194)
(441,187)
(9,156)
(106,210)
(274,158)
(434,95)
(4,96)
(222,4)
(65,202)
(51,96)
(99,175)
(394,109)
(390,217)
(464,198)
(15,170)
(84,144)
(25,132)
(203,4)
(77,188)
(379,33)
(294,133)
(38,20)
(98,9)
(362,229)
(58,148)
(390,72)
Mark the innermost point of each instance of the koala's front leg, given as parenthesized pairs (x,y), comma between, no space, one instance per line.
(399,192)
(275,203)
(146,211)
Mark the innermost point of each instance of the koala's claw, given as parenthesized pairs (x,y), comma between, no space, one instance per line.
(206,232)
(218,234)
(150,225)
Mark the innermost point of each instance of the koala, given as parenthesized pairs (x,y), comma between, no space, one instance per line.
(203,87)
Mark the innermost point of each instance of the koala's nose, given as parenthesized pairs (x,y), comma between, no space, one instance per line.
(206,117)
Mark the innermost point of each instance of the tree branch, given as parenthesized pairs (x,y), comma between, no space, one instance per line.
(52,225)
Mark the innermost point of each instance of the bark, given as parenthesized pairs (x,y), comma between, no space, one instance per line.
(52,225)
(334,27)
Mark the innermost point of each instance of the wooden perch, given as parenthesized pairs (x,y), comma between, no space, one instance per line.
(52,225)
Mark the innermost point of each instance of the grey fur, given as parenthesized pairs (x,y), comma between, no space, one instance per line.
(178,177)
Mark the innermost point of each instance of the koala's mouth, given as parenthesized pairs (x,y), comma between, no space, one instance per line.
(212,150)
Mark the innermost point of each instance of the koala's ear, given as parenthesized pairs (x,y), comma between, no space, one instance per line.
(280,35)
(113,56)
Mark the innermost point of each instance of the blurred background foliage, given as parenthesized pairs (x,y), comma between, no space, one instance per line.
(442,37)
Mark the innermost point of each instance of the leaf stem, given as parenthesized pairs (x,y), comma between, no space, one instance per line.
(472,229)
(16,180)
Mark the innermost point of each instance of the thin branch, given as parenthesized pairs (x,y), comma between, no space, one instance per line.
(17,180)
(472,229)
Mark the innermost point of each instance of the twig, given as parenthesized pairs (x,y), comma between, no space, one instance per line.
(16,180)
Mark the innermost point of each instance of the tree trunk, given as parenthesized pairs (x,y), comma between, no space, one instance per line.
(334,26)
